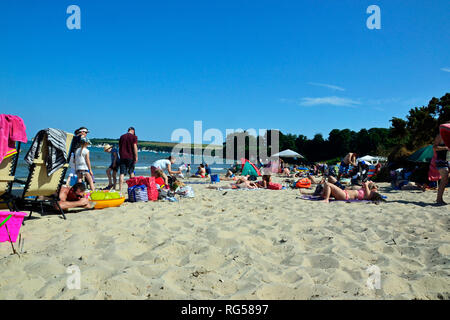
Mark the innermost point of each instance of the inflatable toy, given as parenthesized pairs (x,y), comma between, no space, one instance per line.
(101,204)
(303,183)
(102,195)
(105,199)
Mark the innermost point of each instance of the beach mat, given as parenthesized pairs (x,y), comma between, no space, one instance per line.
(196,182)
(233,189)
(319,198)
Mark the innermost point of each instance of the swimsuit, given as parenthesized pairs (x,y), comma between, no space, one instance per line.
(346,194)
(441,158)
(361,194)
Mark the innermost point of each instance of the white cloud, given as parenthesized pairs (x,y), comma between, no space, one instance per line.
(334,101)
(446,69)
(329,86)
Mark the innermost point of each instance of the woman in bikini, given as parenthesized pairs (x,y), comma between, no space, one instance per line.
(369,191)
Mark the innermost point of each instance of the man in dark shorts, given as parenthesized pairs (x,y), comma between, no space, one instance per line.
(128,152)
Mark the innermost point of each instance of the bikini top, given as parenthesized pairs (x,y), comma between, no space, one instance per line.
(361,194)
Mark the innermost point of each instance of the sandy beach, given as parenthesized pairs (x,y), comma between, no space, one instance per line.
(237,244)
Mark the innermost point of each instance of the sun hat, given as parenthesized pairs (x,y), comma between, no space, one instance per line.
(107,147)
(83,129)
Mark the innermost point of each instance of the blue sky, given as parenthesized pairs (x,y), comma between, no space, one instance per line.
(303,67)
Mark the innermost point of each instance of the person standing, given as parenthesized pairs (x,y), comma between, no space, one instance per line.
(111,172)
(83,164)
(349,160)
(128,152)
(442,165)
(76,143)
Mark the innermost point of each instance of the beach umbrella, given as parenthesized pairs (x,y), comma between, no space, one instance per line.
(422,155)
(288,154)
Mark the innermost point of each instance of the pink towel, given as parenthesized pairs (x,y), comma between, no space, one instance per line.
(12,129)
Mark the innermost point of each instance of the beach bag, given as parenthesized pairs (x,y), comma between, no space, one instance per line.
(149,182)
(303,183)
(138,194)
(186,192)
(274,186)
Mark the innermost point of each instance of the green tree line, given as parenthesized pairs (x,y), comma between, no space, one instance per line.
(403,137)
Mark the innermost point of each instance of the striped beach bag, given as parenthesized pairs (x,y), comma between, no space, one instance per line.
(138,194)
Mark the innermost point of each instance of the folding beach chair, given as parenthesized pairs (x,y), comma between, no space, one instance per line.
(7,173)
(41,189)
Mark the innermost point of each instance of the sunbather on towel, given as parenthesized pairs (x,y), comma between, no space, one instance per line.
(244,183)
(74,197)
(369,191)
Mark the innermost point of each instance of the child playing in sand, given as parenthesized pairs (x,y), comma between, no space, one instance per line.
(83,164)
(201,172)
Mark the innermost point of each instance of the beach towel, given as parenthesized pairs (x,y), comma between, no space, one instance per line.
(57,154)
(10,153)
(319,198)
(196,182)
(12,129)
(236,188)
(274,186)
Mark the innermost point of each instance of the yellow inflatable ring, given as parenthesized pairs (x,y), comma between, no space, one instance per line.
(101,204)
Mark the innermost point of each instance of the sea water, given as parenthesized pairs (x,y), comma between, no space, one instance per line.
(101,160)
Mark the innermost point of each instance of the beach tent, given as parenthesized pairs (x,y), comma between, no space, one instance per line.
(422,155)
(288,154)
(249,168)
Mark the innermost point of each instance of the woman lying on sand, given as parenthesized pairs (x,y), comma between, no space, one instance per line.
(369,191)
(241,183)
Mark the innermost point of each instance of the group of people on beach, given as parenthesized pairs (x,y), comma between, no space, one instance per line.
(124,159)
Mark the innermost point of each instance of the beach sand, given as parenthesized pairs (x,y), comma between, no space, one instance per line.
(237,245)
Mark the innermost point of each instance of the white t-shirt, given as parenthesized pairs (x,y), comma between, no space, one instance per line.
(80,159)
(161,164)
